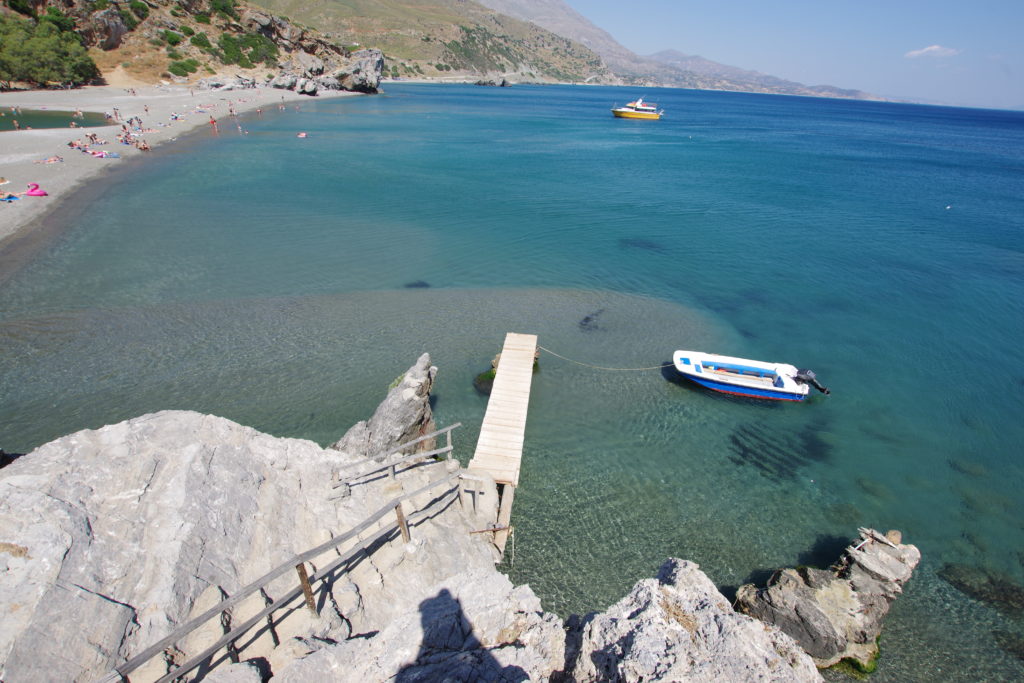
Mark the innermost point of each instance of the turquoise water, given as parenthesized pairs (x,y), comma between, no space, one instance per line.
(264,277)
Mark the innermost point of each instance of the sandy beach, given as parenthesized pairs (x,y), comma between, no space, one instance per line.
(22,151)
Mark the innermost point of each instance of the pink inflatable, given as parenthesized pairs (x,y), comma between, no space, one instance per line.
(34,191)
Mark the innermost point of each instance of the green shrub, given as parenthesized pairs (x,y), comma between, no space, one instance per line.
(203,18)
(225,8)
(173,54)
(172,38)
(128,18)
(201,41)
(187,30)
(183,68)
(59,19)
(41,54)
(175,12)
(259,48)
(21,7)
(247,51)
(156,42)
(139,9)
(231,51)
(100,5)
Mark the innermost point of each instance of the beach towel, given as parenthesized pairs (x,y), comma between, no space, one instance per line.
(9,199)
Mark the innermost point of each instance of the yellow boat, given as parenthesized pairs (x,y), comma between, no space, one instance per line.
(638,110)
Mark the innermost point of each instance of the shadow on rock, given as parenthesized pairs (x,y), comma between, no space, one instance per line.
(450,651)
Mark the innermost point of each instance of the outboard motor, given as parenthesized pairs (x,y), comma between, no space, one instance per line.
(808,377)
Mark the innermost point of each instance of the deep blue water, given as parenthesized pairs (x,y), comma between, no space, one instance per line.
(263,277)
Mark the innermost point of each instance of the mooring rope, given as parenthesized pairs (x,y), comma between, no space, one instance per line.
(599,367)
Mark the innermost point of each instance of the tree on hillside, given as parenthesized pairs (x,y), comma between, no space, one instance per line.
(40,53)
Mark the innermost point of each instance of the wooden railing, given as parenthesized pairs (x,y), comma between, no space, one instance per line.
(392,467)
(297,563)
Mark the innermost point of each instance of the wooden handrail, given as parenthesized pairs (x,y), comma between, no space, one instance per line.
(284,600)
(398,449)
(389,507)
(401,461)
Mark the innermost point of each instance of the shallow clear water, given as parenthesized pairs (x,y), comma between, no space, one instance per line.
(262,277)
(47,118)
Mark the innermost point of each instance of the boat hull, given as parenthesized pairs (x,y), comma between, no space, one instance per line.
(651,116)
(741,376)
(749,392)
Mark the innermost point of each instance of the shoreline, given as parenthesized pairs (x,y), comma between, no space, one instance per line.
(62,180)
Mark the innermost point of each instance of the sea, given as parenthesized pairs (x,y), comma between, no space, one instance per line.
(284,282)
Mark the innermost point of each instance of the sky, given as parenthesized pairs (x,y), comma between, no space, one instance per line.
(965,53)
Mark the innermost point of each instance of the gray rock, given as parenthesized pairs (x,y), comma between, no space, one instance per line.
(678,627)
(284,81)
(242,672)
(104,29)
(305,64)
(471,626)
(362,72)
(836,614)
(327,83)
(127,531)
(404,415)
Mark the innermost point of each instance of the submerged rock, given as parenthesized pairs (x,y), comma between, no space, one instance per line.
(837,613)
(992,588)
(678,627)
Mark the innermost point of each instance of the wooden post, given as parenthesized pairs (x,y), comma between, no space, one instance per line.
(449,444)
(401,523)
(307,590)
(391,472)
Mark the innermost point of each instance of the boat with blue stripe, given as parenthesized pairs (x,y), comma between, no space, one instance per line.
(745,377)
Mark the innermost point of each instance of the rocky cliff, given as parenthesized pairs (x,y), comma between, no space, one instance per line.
(182,40)
(837,613)
(112,538)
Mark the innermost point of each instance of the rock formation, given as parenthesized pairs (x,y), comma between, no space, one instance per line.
(837,613)
(312,63)
(112,538)
(678,627)
(404,415)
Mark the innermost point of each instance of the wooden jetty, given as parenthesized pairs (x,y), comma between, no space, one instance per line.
(499,451)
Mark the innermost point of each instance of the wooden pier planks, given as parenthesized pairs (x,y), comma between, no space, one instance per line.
(500,447)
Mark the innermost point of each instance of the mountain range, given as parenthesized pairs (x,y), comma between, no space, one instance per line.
(668,67)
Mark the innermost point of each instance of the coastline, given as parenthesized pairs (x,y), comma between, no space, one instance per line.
(22,149)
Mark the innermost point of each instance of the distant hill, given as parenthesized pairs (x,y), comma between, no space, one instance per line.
(669,67)
(734,78)
(449,38)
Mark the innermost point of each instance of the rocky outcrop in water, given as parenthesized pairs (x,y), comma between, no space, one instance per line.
(992,588)
(404,415)
(837,613)
(678,627)
(124,533)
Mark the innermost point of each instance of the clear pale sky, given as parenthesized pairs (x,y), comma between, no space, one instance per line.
(967,53)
